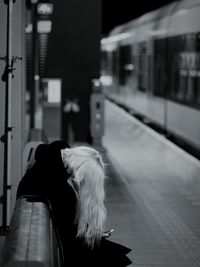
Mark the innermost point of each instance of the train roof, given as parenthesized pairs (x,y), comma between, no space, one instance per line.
(144,19)
(179,17)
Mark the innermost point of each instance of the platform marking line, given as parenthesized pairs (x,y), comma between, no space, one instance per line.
(154,133)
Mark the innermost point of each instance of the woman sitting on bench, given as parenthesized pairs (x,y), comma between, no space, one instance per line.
(72,180)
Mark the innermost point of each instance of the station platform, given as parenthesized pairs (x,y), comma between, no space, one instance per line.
(152,192)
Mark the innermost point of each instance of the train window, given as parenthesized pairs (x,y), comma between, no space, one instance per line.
(159,67)
(182,70)
(197,78)
(125,61)
(192,94)
(182,62)
(134,64)
(177,61)
(144,64)
(104,62)
(173,66)
(115,66)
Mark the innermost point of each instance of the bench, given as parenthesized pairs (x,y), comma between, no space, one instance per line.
(32,240)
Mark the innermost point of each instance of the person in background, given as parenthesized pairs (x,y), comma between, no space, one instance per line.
(72,180)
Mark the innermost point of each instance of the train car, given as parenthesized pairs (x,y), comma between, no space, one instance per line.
(151,66)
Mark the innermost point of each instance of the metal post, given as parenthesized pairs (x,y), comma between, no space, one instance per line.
(34,60)
(8,120)
(35,70)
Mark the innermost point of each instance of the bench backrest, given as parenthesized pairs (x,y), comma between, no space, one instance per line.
(31,240)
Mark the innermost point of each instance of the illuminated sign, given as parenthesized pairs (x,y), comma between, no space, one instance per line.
(54,91)
(44,26)
(45,9)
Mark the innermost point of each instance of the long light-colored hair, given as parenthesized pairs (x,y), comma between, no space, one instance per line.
(86,169)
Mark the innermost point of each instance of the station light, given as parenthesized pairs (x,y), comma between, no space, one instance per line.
(36,77)
(45,9)
(29,28)
(44,26)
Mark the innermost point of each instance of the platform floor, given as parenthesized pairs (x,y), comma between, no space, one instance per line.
(153,194)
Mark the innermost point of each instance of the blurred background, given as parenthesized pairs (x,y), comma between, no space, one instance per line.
(124,77)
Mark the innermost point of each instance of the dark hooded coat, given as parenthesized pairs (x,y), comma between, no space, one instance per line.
(47,178)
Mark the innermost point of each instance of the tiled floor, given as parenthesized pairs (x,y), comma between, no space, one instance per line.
(153,194)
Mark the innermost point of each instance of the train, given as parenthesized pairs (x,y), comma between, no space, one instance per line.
(151,66)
